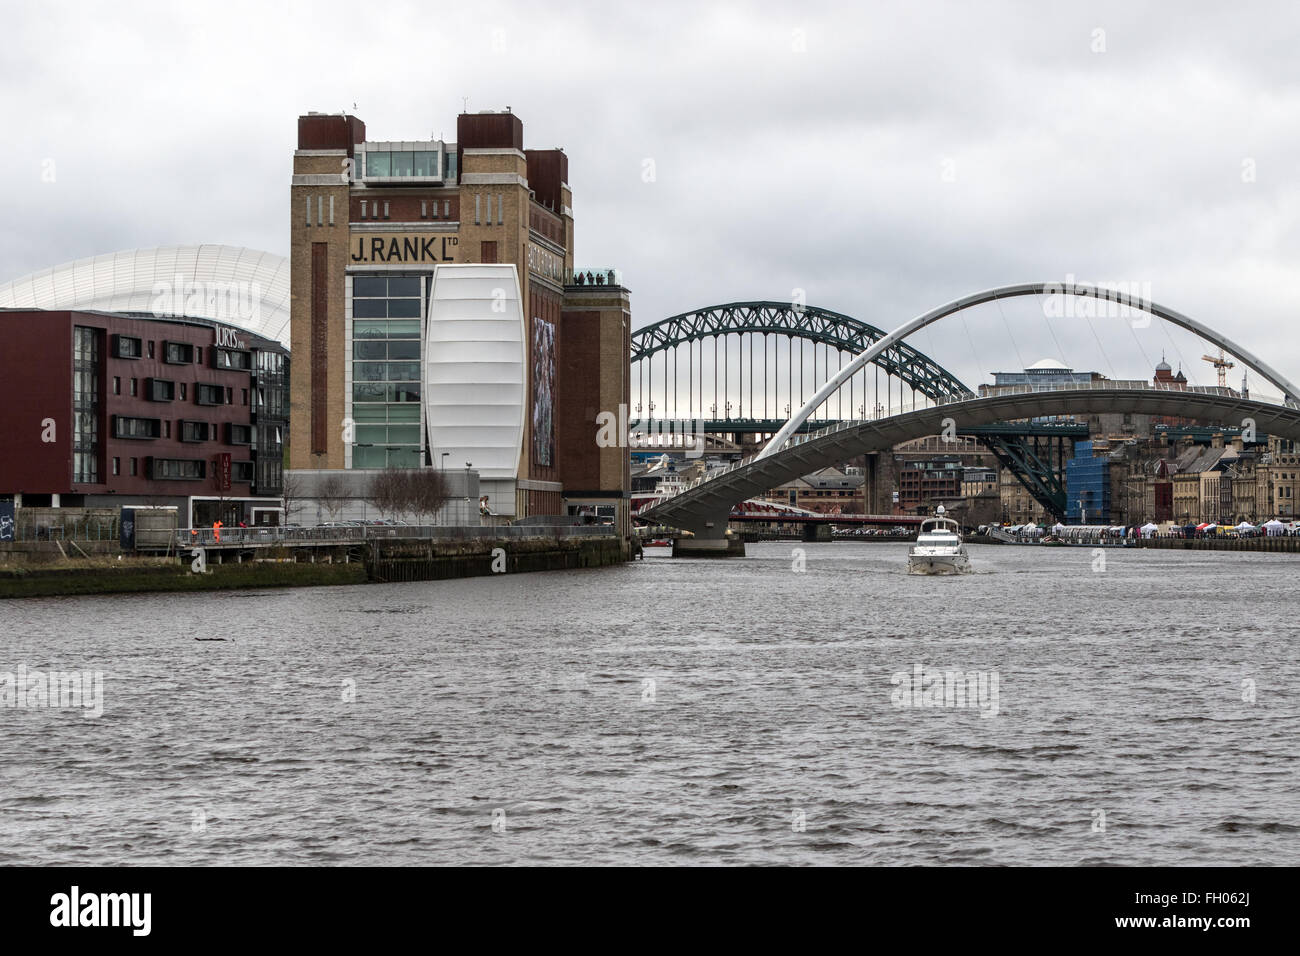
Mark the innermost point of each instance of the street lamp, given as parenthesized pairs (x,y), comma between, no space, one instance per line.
(468,466)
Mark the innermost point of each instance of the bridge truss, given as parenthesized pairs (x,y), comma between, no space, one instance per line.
(691,366)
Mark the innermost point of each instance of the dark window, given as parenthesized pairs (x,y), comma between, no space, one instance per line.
(126,427)
(117,385)
(117,466)
(232,359)
(241,471)
(160,389)
(85,405)
(184,397)
(209,394)
(245,394)
(133,389)
(178,353)
(176,469)
(133,466)
(126,346)
(196,431)
(237,434)
(151,348)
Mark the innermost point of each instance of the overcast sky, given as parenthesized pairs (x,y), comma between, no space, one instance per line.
(883,158)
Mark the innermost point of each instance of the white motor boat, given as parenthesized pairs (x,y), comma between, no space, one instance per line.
(938,548)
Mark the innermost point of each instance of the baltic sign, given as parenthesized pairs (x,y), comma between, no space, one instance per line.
(403,248)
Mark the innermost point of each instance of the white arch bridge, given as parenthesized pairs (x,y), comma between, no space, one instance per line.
(702,507)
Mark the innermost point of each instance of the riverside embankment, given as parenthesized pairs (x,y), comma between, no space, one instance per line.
(388,561)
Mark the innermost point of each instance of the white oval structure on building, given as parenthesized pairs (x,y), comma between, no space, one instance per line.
(475,380)
(246,288)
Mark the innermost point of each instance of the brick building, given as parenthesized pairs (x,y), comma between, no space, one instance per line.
(104,410)
(388,379)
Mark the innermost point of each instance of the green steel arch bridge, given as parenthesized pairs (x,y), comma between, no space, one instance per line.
(763,360)
(703,505)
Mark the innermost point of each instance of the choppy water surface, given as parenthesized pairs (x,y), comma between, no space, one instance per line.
(675,711)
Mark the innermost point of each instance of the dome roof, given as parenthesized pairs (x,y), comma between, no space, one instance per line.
(246,288)
(1048,364)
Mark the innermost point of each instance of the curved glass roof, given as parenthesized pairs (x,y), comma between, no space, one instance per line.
(241,287)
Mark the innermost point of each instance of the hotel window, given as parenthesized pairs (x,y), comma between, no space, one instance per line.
(386,372)
(385,210)
(85,405)
(182,469)
(151,348)
(196,431)
(117,385)
(240,359)
(167,429)
(126,346)
(117,466)
(158,389)
(245,395)
(133,467)
(241,471)
(238,434)
(178,353)
(424,209)
(363,209)
(126,427)
(209,394)
(184,396)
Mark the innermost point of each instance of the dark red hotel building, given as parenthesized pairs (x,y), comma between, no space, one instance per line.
(102,409)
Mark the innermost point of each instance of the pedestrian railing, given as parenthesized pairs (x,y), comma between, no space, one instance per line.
(343,535)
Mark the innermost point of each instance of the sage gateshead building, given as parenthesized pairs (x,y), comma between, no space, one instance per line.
(438,322)
(154,377)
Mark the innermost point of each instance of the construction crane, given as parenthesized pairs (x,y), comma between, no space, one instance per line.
(1221,365)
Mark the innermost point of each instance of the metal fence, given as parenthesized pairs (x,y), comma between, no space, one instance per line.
(69,529)
(289,537)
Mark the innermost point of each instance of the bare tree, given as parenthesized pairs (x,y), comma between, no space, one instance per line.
(291,494)
(428,491)
(332,491)
(387,491)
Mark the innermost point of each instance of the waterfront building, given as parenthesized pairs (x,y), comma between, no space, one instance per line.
(922,481)
(440,319)
(829,491)
(1087,484)
(104,409)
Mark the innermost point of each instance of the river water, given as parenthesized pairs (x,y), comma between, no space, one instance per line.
(677,711)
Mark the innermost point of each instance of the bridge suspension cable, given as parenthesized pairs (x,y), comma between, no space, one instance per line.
(1290,393)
